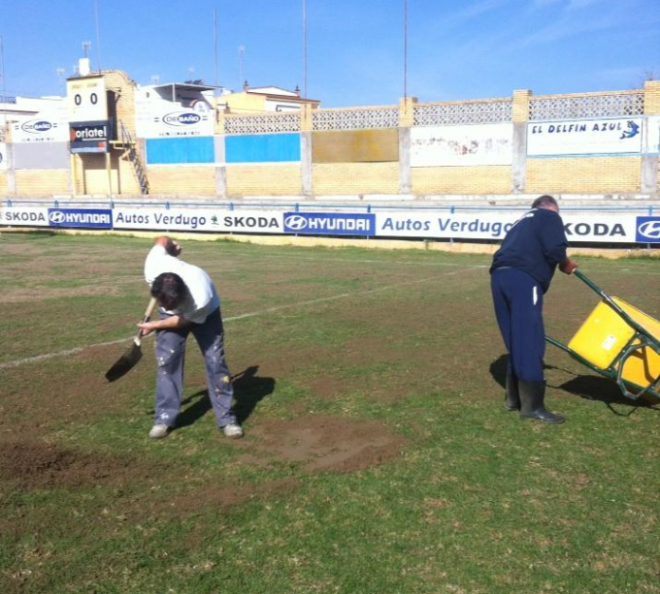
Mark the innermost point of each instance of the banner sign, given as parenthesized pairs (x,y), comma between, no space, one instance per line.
(91,137)
(40,128)
(487,144)
(445,225)
(429,225)
(317,223)
(88,218)
(156,118)
(205,220)
(652,141)
(168,112)
(589,227)
(585,137)
(3,156)
(17,216)
(174,121)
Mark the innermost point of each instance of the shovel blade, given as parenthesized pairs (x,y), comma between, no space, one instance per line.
(125,363)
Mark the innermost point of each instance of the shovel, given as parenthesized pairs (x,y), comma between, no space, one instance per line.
(134,353)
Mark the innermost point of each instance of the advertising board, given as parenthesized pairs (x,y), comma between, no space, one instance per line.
(585,137)
(580,227)
(87,218)
(91,137)
(321,223)
(19,216)
(608,228)
(203,220)
(652,136)
(50,126)
(487,144)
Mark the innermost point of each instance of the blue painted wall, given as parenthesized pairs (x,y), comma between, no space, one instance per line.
(263,148)
(177,151)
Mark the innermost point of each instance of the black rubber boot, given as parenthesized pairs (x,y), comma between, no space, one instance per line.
(532,395)
(512,398)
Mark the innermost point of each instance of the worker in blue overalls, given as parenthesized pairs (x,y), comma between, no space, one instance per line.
(520,275)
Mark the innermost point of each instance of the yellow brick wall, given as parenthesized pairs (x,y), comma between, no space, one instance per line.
(41,182)
(125,105)
(582,176)
(257,180)
(485,179)
(356,178)
(182,181)
(127,181)
(77,174)
(124,89)
(652,97)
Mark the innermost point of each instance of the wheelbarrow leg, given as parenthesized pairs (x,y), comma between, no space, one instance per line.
(512,397)
(532,395)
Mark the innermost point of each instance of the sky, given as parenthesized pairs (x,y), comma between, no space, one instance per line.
(456,49)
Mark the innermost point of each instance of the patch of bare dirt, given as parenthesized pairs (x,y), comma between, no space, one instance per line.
(30,465)
(68,389)
(220,495)
(321,443)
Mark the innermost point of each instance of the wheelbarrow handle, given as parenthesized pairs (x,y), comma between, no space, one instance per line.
(592,285)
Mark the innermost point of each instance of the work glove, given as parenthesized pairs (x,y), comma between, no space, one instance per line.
(568,266)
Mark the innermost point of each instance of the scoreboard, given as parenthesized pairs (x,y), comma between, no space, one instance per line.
(87,99)
(90,127)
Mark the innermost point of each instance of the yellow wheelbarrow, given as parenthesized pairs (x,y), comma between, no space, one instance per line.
(620,342)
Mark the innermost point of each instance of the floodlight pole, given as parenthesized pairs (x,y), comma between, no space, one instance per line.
(304,32)
(215,47)
(98,35)
(241,52)
(405,49)
(2,68)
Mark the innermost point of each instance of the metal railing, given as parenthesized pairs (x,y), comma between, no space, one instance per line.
(644,210)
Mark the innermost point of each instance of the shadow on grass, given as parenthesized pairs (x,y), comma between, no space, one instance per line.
(498,369)
(41,234)
(589,387)
(249,390)
(602,389)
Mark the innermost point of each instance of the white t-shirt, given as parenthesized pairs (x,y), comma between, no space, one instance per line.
(202,296)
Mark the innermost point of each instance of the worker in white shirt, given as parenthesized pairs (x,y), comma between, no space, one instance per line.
(188,303)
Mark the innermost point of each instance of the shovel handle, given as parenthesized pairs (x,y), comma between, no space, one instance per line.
(147,315)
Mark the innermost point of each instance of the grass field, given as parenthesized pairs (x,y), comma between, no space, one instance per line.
(378,457)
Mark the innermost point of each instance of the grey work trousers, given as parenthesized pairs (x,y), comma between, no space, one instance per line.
(170,357)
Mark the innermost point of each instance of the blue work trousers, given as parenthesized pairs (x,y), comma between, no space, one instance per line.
(170,358)
(518,301)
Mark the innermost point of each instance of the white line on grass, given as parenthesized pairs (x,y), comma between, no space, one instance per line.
(74,351)
(356,261)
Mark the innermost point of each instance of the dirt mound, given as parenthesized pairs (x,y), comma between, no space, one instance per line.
(321,443)
(38,466)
